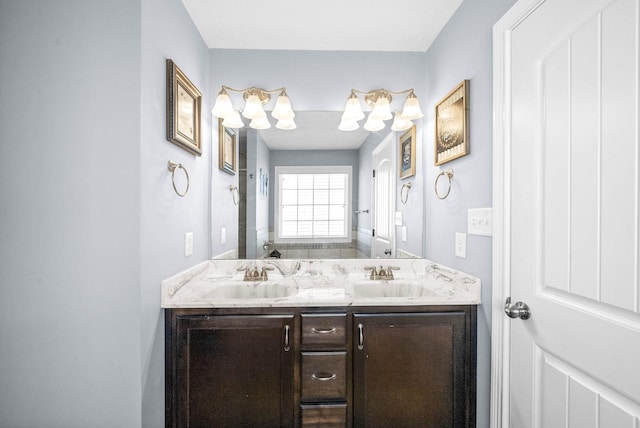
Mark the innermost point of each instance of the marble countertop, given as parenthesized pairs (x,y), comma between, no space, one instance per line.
(299,283)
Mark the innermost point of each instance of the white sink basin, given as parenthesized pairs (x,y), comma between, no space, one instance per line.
(392,288)
(252,290)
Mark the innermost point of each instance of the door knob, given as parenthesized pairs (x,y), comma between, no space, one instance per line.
(517,310)
(387,252)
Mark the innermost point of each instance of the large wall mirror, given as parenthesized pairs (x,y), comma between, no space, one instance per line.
(311,193)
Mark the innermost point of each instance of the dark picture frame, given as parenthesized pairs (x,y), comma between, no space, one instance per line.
(452,125)
(226,149)
(407,153)
(184,106)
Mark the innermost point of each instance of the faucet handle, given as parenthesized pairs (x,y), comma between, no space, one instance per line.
(390,270)
(263,272)
(374,273)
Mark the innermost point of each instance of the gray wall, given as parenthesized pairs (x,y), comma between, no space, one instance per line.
(464,51)
(258,157)
(168,32)
(90,224)
(70,352)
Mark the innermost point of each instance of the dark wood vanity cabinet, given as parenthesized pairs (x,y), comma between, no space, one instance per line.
(413,370)
(403,366)
(230,370)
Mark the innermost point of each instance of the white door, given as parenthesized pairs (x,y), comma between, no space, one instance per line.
(383,241)
(567,191)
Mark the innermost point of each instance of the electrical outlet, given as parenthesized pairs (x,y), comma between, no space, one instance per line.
(479,221)
(223,235)
(188,244)
(461,245)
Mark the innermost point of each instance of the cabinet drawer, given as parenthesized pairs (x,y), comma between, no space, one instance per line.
(325,329)
(324,415)
(324,375)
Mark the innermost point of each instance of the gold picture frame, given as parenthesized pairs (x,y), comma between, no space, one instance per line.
(226,148)
(407,153)
(184,106)
(452,125)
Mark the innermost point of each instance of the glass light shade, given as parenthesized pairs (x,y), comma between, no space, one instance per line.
(348,125)
(223,107)
(260,121)
(372,124)
(286,124)
(233,120)
(353,110)
(252,107)
(283,109)
(411,109)
(381,110)
(400,124)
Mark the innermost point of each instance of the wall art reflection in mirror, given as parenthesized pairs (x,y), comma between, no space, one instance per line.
(227,149)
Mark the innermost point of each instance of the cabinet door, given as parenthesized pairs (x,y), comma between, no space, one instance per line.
(412,370)
(235,371)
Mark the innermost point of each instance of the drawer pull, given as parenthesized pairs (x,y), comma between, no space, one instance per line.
(323,376)
(287,347)
(323,330)
(360,336)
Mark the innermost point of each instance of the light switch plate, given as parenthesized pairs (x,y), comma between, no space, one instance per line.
(461,245)
(479,221)
(223,235)
(398,218)
(188,244)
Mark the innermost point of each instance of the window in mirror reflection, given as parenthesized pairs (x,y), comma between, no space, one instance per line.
(313,204)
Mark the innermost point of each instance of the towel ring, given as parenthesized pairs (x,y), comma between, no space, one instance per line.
(404,196)
(235,194)
(173,166)
(449,174)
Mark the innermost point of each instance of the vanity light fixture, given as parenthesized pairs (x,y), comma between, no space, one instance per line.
(255,99)
(380,102)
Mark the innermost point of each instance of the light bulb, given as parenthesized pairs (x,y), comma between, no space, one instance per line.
(381,109)
(353,110)
(283,109)
(348,125)
(400,124)
(260,121)
(252,107)
(411,109)
(223,107)
(233,120)
(286,124)
(372,124)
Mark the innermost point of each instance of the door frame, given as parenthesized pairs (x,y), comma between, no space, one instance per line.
(501,247)
(386,142)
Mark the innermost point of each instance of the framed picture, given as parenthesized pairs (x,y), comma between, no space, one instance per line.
(452,125)
(407,145)
(184,104)
(226,148)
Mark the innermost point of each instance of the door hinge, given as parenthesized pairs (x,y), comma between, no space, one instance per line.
(374,173)
(373,232)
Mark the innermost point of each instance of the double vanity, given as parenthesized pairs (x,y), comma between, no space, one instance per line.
(320,343)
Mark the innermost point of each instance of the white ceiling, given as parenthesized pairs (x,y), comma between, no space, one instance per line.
(330,25)
(316,130)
